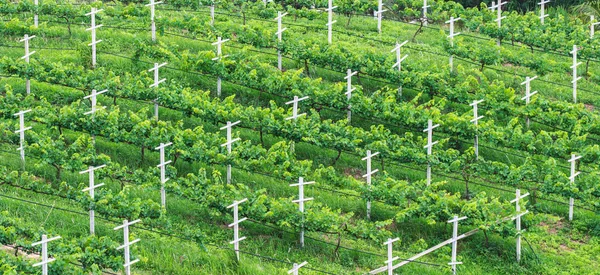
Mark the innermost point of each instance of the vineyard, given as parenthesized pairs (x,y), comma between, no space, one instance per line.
(297,137)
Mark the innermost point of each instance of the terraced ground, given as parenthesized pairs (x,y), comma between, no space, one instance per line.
(191,236)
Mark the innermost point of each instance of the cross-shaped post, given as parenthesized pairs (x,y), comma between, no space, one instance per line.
(368,175)
(229,142)
(399,59)
(593,24)
(236,227)
(212,14)
(45,261)
(294,271)
(295,114)
(454,222)
(349,90)
(330,21)
(26,39)
(575,77)
(390,256)
(476,118)
(379,14)
(279,34)
(92,187)
(300,202)
(21,133)
(424,10)
(219,57)
(499,17)
(35,16)
(451,36)
(528,94)
(163,171)
(429,146)
(574,174)
(94,100)
(157,81)
(126,244)
(93,28)
(518,216)
(493,6)
(152,4)
(543,14)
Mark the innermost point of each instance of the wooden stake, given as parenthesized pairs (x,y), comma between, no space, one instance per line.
(543,10)
(163,170)
(92,187)
(300,202)
(229,142)
(126,244)
(296,267)
(399,59)
(219,57)
(279,34)
(151,5)
(236,227)
(575,77)
(349,90)
(528,93)
(157,81)
(451,36)
(429,146)
(21,133)
(475,119)
(45,261)
(26,39)
(330,21)
(368,176)
(574,174)
(93,28)
(518,197)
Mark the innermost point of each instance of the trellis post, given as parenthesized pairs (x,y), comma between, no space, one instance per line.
(528,94)
(593,24)
(476,118)
(399,59)
(157,81)
(236,227)
(92,187)
(218,58)
(151,5)
(543,14)
(21,133)
(279,33)
(94,101)
(163,171)
(294,271)
(330,21)
(451,36)
(45,261)
(574,174)
(575,77)
(368,175)
(212,14)
(429,146)
(424,10)
(499,17)
(379,14)
(229,142)
(35,16)
(26,39)
(295,114)
(349,90)
(93,28)
(390,256)
(518,214)
(492,7)
(301,199)
(454,222)
(126,244)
